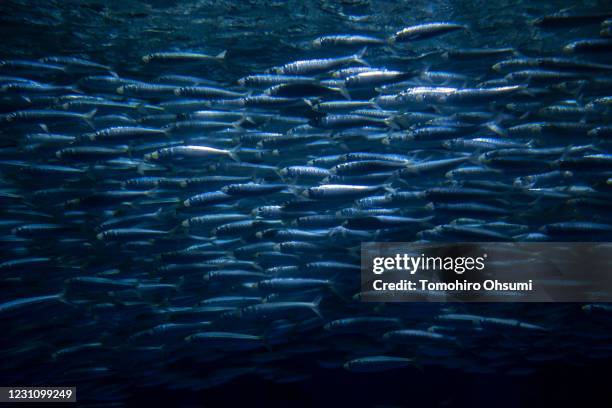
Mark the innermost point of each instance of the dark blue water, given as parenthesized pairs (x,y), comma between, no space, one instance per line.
(116,262)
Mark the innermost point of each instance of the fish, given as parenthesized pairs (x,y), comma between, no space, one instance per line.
(566,19)
(424,31)
(338,191)
(346,39)
(317,65)
(377,363)
(597,45)
(190,152)
(181,57)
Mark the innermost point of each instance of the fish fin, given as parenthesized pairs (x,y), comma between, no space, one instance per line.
(525,116)
(424,55)
(579,95)
(375,105)
(140,108)
(296,191)
(387,48)
(394,176)
(567,9)
(221,55)
(238,124)
(354,251)
(249,120)
(152,192)
(167,131)
(470,32)
(310,103)
(358,58)
(233,154)
(344,92)
(342,145)
(474,159)
(392,123)
(495,128)
(199,238)
(140,169)
(437,109)
(315,306)
(389,189)
(88,118)
(286,180)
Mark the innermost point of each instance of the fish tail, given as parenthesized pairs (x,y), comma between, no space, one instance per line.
(140,169)
(238,124)
(140,108)
(310,103)
(88,118)
(344,92)
(375,104)
(358,58)
(280,175)
(315,306)
(392,123)
(389,189)
(495,128)
(233,154)
(474,159)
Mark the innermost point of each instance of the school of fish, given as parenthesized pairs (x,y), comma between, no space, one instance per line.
(201,231)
